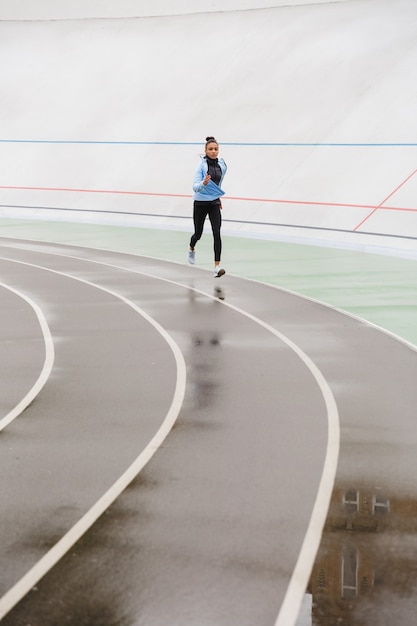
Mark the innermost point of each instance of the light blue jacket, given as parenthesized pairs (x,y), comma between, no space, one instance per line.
(211,191)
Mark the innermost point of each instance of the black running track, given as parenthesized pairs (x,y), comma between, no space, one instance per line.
(170,440)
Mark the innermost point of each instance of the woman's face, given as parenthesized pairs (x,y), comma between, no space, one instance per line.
(212,150)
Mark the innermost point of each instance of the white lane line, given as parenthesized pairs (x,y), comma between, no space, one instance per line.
(51,558)
(297,586)
(47,365)
(291,605)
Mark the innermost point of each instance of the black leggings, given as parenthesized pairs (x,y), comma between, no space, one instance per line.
(201,210)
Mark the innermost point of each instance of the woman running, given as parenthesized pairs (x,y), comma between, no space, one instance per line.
(207,193)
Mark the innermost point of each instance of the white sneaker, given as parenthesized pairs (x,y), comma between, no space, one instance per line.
(219,271)
(191,257)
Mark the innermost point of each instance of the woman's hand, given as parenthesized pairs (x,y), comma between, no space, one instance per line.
(206,179)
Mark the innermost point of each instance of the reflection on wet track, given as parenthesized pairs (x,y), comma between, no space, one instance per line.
(365,571)
(214,526)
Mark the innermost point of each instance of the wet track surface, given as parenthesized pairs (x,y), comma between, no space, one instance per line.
(210,530)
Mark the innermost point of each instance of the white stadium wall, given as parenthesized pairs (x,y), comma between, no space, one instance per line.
(105,107)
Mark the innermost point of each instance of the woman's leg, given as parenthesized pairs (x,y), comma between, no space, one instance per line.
(199,216)
(216,222)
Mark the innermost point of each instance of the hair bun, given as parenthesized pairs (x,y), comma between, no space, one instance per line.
(210,139)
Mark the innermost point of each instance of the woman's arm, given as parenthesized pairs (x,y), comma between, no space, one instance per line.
(201,178)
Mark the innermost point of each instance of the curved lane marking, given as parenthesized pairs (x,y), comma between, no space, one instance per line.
(291,605)
(297,586)
(51,558)
(47,365)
